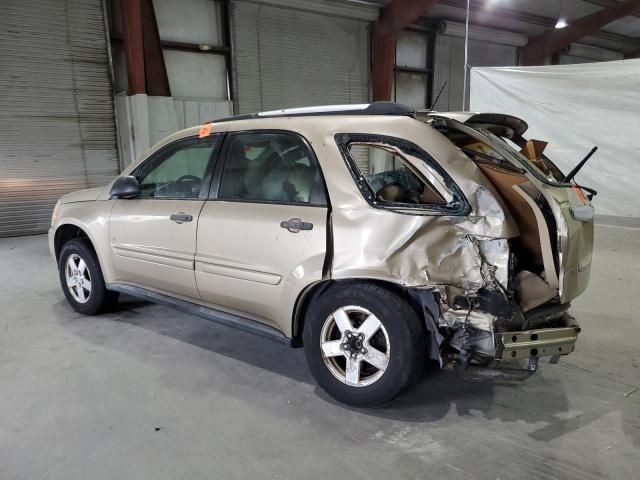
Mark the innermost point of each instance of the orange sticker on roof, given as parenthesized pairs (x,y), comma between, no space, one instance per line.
(205,130)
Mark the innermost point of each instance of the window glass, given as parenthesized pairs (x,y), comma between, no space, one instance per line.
(178,172)
(392,178)
(272,167)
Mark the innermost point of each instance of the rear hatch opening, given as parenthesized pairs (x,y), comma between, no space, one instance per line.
(551,256)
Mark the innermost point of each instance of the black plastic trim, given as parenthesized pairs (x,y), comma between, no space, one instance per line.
(217,316)
(459,206)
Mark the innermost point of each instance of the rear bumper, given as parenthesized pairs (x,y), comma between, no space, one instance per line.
(543,342)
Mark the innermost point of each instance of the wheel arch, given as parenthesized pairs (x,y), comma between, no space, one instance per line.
(65,233)
(415,297)
(70,230)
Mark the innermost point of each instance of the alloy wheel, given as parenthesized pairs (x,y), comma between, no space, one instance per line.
(355,346)
(78,278)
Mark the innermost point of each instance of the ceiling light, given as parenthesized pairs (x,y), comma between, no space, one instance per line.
(561,23)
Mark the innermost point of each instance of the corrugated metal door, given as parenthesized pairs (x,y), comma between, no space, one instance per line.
(57,131)
(449,68)
(286,57)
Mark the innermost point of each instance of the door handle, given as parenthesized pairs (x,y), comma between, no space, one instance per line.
(294,225)
(181,217)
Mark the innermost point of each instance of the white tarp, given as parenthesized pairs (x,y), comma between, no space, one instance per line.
(575,107)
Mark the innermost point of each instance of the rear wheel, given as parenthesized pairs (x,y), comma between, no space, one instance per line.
(363,343)
(81,279)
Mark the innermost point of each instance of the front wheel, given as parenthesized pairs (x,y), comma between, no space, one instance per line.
(364,344)
(81,279)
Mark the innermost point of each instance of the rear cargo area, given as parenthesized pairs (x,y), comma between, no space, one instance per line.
(551,255)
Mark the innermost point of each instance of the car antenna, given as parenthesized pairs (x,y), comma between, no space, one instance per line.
(577,168)
(435,102)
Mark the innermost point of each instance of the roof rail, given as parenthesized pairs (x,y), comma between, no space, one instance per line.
(375,108)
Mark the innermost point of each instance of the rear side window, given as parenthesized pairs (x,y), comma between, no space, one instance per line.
(272,167)
(392,172)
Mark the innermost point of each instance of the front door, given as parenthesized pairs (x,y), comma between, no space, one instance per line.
(262,239)
(153,237)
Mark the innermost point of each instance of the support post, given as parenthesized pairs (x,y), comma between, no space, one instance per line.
(154,66)
(134,45)
(146,70)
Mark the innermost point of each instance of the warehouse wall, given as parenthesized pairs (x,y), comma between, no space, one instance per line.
(198,77)
(57,131)
(296,53)
(293,54)
(487,48)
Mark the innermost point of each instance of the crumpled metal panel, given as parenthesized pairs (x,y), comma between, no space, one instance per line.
(421,251)
(411,250)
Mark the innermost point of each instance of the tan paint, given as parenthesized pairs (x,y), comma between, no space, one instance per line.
(147,248)
(576,243)
(93,218)
(246,262)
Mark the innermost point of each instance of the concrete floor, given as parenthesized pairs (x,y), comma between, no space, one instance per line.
(150,393)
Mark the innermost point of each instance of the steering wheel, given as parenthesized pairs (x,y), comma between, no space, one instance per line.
(188,178)
(172,188)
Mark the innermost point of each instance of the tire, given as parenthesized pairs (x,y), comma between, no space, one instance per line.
(81,279)
(400,337)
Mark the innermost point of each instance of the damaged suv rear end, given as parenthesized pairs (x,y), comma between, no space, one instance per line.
(489,242)
(521,310)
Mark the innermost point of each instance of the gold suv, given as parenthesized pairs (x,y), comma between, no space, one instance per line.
(375,236)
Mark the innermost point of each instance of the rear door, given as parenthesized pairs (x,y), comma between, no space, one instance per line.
(262,237)
(153,237)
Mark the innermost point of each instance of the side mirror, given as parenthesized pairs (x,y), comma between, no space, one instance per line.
(125,187)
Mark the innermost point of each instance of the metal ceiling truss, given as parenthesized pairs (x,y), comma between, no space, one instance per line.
(539,20)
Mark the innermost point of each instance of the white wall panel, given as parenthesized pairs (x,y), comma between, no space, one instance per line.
(411,49)
(189,21)
(411,89)
(196,75)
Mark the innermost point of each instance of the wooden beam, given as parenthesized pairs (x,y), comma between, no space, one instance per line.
(133,45)
(552,41)
(393,18)
(154,66)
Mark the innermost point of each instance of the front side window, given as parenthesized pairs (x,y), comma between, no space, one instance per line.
(394,173)
(178,171)
(270,167)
